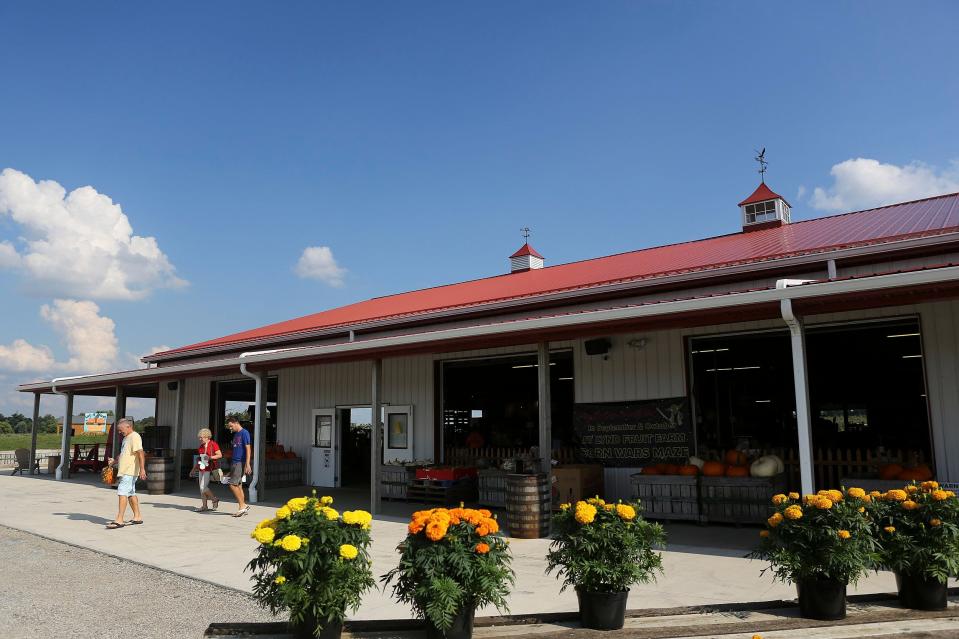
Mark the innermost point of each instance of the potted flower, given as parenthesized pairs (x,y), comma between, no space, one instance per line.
(452,562)
(601,550)
(918,532)
(313,562)
(821,543)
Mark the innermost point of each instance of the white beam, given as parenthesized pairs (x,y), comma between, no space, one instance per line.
(797,339)
(33,430)
(376,436)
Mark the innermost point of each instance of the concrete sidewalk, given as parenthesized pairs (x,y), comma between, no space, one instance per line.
(704,565)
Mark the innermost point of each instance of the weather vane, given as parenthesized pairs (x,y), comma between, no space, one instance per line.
(761,158)
(525,232)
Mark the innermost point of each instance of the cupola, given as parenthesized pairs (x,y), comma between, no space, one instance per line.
(525,259)
(764,209)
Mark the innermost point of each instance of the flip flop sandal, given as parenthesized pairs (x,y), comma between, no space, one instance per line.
(114,525)
(201,509)
(134,522)
(240,513)
(216,504)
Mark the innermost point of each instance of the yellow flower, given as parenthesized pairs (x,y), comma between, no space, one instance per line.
(329,513)
(596,501)
(935,523)
(896,495)
(834,495)
(940,495)
(266,523)
(875,494)
(890,529)
(910,504)
(264,535)
(626,512)
(585,513)
(283,512)
(844,534)
(856,493)
(779,499)
(950,494)
(359,518)
(280,580)
(348,551)
(930,485)
(608,507)
(824,503)
(793,512)
(862,509)
(297,504)
(764,533)
(564,506)
(775,520)
(326,500)
(794,496)
(912,488)
(291,543)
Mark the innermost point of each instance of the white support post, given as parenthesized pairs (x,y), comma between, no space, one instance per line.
(176,437)
(257,485)
(63,470)
(797,338)
(545,409)
(376,436)
(33,431)
(119,408)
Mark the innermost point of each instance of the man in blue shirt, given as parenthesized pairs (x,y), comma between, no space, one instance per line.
(240,463)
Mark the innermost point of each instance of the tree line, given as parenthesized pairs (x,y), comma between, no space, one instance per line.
(19,423)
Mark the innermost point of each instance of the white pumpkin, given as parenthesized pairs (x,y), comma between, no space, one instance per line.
(765,466)
(697,462)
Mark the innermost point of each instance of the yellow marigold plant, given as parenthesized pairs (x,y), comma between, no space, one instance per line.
(825,536)
(919,535)
(312,564)
(452,561)
(604,550)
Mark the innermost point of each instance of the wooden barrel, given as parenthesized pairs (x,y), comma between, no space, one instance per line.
(160,475)
(528,506)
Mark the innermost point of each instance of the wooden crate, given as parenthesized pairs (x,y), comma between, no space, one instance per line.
(446,493)
(739,500)
(395,481)
(491,484)
(668,496)
(578,481)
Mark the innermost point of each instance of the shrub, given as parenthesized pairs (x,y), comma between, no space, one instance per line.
(312,561)
(452,560)
(823,536)
(600,547)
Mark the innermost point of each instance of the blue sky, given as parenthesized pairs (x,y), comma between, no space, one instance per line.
(414,139)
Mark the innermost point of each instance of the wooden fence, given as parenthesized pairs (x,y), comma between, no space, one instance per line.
(468,456)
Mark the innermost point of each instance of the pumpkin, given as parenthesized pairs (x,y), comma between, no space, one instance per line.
(766,466)
(671,469)
(890,471)
(735,458)
(737,471)
(714,469)
(697,462)
(689,470)
(662,468)
(649,470)
(919,473)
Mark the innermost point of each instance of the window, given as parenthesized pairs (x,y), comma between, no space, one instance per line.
(760,212)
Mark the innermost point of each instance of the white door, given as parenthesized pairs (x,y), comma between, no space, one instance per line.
(397,433)
(323,457)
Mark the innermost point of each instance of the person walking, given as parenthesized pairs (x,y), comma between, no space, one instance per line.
(130,465)
(206,467)
(239,463)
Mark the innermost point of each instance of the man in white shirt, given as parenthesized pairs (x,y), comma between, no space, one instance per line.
(130,464)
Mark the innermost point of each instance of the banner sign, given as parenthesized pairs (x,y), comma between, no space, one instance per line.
(94,422)
(629,434)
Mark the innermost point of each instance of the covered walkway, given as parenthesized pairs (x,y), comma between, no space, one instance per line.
(703,565)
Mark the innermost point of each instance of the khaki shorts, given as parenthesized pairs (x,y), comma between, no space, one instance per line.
(236,474)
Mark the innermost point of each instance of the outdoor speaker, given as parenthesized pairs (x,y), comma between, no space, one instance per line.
(599,346)
(171,386)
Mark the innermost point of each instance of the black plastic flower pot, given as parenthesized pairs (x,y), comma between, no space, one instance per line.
(922,593)
(462,627)
(602,610)
(307,629)
(823,599)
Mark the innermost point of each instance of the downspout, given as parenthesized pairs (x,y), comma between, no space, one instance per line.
(62,469)
(797,338)
(258,422)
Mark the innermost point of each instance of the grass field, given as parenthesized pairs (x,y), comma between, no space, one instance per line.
(45,440)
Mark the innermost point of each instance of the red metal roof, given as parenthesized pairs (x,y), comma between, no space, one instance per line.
(928,217)
(761,194)
(526,249)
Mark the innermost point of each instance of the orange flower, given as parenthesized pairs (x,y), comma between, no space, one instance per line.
(844,534)
(436,530)
(492,524)
(482,530)
(482,549)
(930,485)
(763,533)
(485,513)
(935,523)
(416,527)
(940,495)
(910,504)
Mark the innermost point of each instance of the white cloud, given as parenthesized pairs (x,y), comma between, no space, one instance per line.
(862,183)
(136,360)
(88,337)
(318,263)
(78,243)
